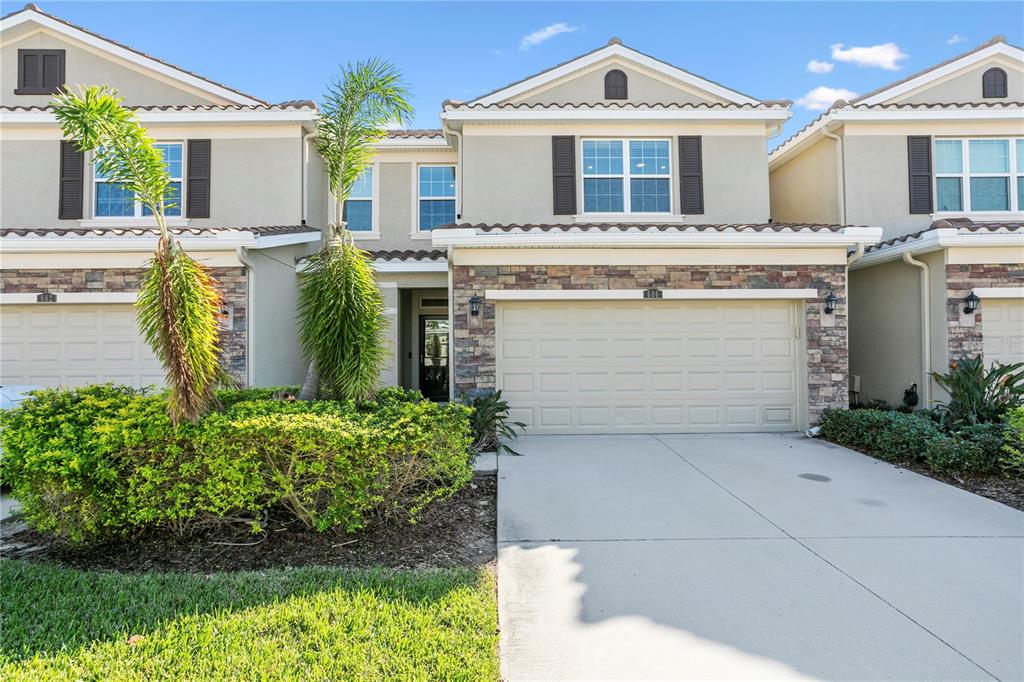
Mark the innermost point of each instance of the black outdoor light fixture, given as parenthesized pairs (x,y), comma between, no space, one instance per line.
(830,302)
(474,305)
(971,302)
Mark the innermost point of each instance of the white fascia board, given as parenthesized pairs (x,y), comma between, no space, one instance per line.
(614,50)
(64,297)
(272,240)
(939,239)
(638,294)
(128,55)
(119,244)
(570,113)
(414,143)
(999,292)
(400,266)
(943,71)
(228,116)
(925,114)
(468,238)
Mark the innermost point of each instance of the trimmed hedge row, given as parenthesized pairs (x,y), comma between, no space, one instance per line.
(105,461)
(908,437)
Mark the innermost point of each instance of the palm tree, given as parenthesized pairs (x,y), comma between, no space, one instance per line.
(340,309)
(178,306)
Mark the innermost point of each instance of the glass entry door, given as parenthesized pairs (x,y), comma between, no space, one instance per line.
(434,356)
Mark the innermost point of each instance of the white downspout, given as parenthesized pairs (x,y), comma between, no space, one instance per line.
(926,345)
(305,176)
(458,173)
(840,172)
(250,287)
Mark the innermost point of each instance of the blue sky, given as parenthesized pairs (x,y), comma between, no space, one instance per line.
(289,50)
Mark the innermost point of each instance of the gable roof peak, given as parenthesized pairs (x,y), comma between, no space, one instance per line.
(614,40)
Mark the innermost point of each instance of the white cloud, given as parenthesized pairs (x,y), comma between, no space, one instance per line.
(955,39)
(886,56)
(546,33)
(822,97)
(814,66)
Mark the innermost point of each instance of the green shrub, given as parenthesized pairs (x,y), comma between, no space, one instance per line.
(107,462)
(979,394)
(490,424)
(893,436)
(975,449)
(229,397)
(1011,460)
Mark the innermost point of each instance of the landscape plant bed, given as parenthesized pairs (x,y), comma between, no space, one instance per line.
(457,532)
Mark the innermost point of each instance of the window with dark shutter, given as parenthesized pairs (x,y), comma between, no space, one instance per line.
(919,168)
(40,72)
(691,175)
(993,83)
(563,170)
(615,85)
(197,190)
(72,181)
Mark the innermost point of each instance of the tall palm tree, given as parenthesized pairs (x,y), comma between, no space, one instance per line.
(178,306)
(340,309)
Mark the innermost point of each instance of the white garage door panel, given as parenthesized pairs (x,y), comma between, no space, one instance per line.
(1003,329)
(74,345)
(649,366)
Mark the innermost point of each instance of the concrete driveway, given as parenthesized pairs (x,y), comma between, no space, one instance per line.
(749,557)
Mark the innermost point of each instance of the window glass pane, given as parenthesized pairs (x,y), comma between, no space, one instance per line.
(434,212)
(437,181)
(949,156)
(1020,155)
(1020,192)
(647,195)
(359,215)
(172,157)
(362,188)
(989,156)
(114,199)
(948,196)
(602,195)
(172,201)
(602,157)
(648,157)
(990,194)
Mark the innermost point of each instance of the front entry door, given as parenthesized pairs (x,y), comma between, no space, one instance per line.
(434,356)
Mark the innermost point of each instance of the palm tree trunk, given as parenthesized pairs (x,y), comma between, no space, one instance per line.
(311,384)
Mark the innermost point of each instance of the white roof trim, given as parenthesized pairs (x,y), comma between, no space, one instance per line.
(470,238)
(638,294)
(188,116)
(942,238)
(614,50)
(411,266)
(564,113)
(413,143)
(943,71)
(127,55)
(228,241)
(999,292)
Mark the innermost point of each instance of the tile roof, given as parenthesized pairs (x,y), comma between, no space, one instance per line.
(452,105)
(647,227)
(283,106)
(415,133)
(33,8)
(147,231)
(409,255)
(963,225)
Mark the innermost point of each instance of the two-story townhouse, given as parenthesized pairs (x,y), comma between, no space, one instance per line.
(611,264)
(937,160)
(251,199)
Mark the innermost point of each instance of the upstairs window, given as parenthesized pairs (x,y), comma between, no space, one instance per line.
(115,200)
(40,72)
(436,196)
(358,210)
(627,176)
(979,175)
(993,83)
(615,85)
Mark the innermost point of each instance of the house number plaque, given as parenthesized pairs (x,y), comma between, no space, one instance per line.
(46,297)
(653,293)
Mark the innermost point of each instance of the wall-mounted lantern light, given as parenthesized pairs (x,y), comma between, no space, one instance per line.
(474,305)
(971,303)
(830,302)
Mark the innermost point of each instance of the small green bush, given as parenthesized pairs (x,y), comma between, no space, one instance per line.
(893,436)
(970,450)
(978,393)
(1011,460)
(106,461)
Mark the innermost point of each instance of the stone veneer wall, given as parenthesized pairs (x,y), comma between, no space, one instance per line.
(827,352)
(960,280)
(233,283)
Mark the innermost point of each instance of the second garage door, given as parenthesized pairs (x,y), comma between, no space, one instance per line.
(1003,330)
(650,366)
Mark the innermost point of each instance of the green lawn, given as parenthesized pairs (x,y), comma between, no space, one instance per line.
(310,623)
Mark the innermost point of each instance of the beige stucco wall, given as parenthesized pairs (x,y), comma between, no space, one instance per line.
(966,86)
(497,190)
(641,87)
(88,67)
(806,189)
(877,186)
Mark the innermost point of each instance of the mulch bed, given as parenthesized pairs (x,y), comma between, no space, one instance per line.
(457,532)
(1009,491)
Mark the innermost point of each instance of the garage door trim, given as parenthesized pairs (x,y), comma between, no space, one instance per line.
(66,297)
(999,292)
(633,294)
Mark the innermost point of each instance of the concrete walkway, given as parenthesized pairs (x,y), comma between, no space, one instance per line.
(749,557)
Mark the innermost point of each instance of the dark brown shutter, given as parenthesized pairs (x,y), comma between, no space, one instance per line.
(993,83)
(197,190)
(691,175)
(919,167)
(563,169)
(615,85)
(72,181)
(31,73)
(40,72)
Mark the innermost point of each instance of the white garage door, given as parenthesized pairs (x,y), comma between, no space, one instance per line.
(1003,329)
(650,366)
(73,345)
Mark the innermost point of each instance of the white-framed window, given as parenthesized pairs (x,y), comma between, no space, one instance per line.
(114,200)
(435,195)
(627,176)
(979,175)
(358,211)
